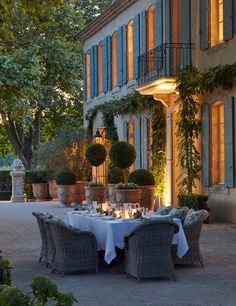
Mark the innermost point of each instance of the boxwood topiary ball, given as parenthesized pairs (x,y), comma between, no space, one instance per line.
(115,175)
(66,178)
(96,154)
(141,177)
(122,154)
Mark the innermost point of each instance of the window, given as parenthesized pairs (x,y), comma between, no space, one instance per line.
(130,136)
(130,51)
(100,80)
(88,73)
(149,143)
(216,21)
(114,59)
(217,143)
(150,26)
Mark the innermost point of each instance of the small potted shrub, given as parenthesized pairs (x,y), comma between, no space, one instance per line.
(39,181)
(66,181)
(128,193)
(95,191)
(146,181)
(114,176)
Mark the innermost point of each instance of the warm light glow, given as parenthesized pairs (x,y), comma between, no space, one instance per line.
(88,73)
(216,22)
(100,80)
(114,59)
(149,143)
(150,28)
(130,51)
(160,86)
(130,137)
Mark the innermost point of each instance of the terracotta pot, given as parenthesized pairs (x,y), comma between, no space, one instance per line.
(147,196)
(66,194)
(128,196)
(95,194)
(79,194)
(40,191)
(53,189)
(112,193)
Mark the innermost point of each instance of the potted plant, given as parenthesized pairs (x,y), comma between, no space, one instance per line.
(114,176)
(95,191)
(66,181)
(146,181)
(39,181)
(79,194)
(128,193)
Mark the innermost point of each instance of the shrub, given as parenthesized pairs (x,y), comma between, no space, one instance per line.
(96,154)
(38,176)
(5,272)
(5,181)
(28,189)
(142,177)
(195,201)
(122,186)
(13,296)
(122,154)
(115,175)
(66,178)
(94,184)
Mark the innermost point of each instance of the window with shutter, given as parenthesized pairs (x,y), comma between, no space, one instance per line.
(216,21)
(130,51)
(130,136)
(114,59)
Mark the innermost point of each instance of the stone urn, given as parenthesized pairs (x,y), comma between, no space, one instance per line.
(95,193)
(40,191)
(147,196)
(128,196)
(79,194)
(53,189)
(112,193)
(66,194)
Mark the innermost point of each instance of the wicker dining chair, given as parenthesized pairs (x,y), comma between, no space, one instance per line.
(50,243)
(44,245)
(192,232)
(75,250)
(148,250)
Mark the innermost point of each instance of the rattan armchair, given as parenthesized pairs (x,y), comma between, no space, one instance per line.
(75,250)
(44,245)
(148,250)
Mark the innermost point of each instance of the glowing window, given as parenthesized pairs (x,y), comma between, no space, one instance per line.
(130,136)
(130,51)
(150,28)
(149,143)
(88,73)
(216,22)
(114,59)
(217,143)
(100,80)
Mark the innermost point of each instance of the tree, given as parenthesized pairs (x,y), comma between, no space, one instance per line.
(93,8)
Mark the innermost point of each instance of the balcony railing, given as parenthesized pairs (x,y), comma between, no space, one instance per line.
(164,61)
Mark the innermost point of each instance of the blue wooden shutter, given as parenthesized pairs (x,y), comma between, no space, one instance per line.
(144,140)
(84,77)
(143,32)
(104,64)
(92,79)
(95,70)
(204,35)
(109,63)
(185,21)
(229,141)
(119,57)
(167,21)
(136,45)
(124,54)
(137,136)
(124,131)
(234,17)
(158,23)
(228,19)
(205,145)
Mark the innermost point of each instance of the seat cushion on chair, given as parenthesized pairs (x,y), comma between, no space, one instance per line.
(164,210)
(179,213)
(194,217)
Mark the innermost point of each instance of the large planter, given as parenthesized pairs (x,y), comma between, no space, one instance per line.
(147,196)
(112,193)
(40,191)
(66,194)
(128,196)
(53,189)
(97,193)
(79,194)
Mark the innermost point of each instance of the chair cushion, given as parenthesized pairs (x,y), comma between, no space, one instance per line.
(179,213)
(194,217)
(164,210)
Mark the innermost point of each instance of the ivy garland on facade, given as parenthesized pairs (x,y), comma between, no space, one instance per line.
(136,104)
(190,83)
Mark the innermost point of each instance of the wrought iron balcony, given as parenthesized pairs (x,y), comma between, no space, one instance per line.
(164,61)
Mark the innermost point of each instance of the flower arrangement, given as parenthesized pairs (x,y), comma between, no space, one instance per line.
(94,184)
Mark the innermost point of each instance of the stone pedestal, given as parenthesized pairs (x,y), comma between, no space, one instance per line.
(17,174)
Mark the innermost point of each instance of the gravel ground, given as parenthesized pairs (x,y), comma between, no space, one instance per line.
(215,284)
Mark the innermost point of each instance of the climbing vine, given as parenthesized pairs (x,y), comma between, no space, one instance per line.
(133,104)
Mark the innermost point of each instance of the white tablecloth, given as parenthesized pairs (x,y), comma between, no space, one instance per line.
(111,233)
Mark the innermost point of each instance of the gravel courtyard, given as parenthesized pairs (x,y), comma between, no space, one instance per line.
(213,285)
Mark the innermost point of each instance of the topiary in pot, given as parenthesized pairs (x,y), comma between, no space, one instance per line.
(39,181)
(128,193)
(122,154)
(146,181)
(66,181)
(95,191)
(114,176)
(96,154)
